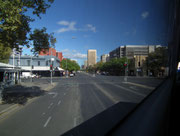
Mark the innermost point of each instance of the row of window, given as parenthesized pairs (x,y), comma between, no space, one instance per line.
(39,63)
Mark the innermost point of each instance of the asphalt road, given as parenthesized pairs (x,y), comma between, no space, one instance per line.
(73,101)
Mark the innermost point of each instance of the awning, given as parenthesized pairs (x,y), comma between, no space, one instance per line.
(60,69)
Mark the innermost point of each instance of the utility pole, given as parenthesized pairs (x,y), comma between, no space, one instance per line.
(13,67)
(31,68)
(66,68)
(52,66)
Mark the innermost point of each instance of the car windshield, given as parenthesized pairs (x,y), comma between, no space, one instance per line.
(63,62)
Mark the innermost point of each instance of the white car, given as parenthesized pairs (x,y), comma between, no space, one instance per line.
(71,75)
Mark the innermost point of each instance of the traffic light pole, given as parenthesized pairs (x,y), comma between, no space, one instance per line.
(51,77)
(126,70)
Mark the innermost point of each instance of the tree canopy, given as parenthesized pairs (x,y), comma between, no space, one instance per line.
(14,22)
(157,60)
(114,66)
(70,65)
(42,40)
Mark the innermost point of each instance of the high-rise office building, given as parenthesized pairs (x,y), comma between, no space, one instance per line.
(91,57)
(104,57)
(85,64)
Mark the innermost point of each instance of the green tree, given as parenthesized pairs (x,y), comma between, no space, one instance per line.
(14,22)
(70,65)
(4,53)
(42,40)
(157,60)
(114,66)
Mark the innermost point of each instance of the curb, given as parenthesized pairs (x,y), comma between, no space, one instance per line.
(8,110)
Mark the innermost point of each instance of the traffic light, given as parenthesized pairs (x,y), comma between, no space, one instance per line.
(125,64)
(51,67)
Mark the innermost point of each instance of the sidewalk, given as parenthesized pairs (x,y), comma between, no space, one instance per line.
(17,95)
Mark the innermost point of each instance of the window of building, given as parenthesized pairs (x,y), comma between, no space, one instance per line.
(53,63)
(28,62)
(17,62)
(38,63)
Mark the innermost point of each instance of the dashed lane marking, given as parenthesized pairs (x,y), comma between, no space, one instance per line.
(59,102)
(48,120)
(50,105)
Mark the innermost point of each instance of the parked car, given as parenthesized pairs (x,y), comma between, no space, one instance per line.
(71,74)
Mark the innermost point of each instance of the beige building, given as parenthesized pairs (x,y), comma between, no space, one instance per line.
(104,57)
(91,57)
(139,60)
(85,64)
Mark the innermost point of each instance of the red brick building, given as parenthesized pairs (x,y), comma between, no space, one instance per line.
(59,55)
(47,52)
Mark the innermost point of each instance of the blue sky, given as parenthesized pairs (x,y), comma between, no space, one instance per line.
(104,25)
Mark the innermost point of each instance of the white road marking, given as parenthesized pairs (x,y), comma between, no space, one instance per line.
(47,121)
(112,98)
(43,113)
(139,85)
(75,121)
(50,105)
(55,95)
(129,90)
(59,102)
(133,87)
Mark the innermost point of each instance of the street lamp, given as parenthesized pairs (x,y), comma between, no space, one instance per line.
(31,60)
(66,69)
(52,59)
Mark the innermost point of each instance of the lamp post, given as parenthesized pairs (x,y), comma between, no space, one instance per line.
(31,60)
(66,69)
(13,67)
(52,59)
(31,68)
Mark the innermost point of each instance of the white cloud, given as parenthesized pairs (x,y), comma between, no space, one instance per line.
(70,26)
(79,56)
(91,27)
(63,23)
(65,50)
(145,14)
(73,54)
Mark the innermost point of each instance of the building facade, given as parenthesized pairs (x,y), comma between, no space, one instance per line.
(91,57)
(117,53)
(38,64)
(85,64)
(104,57)
(59,55)
(137,53)
(130,51)
(47,52)
(51,51)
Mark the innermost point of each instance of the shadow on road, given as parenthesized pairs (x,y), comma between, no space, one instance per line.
(103,122)
(19,94)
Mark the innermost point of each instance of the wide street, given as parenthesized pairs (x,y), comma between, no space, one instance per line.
(73,101)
